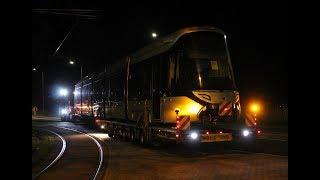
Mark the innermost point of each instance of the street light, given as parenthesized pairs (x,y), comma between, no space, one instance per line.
(72,63)
(63,92)
(154,35)
(42,87)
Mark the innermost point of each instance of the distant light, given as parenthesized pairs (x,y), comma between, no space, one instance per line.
(63,92)
(64,111)
(220,132)
(207,132)
(102,126)
(177,135)
(259,132)
(71,62)
(34,69)
(154,35)
(255,108)
(245,133)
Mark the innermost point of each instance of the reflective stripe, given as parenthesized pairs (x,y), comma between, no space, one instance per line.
(225,108)
(184,122)
(250,120)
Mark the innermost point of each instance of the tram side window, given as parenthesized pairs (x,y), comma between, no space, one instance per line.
(116,83)
(95,92)
(86,94)
(133,83)
(160,74)
(77,99)
(98,88)
(145,77)
(172,66)
(140,81)
(105,87)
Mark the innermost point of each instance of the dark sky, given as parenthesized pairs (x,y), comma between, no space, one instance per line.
(257,35)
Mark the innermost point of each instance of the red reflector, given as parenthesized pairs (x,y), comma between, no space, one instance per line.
(255,123)
(178,122)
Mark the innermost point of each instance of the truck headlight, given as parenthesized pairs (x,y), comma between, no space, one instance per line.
(194,135)
(245,132)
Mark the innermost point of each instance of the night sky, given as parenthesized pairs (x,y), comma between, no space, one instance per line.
(257,34)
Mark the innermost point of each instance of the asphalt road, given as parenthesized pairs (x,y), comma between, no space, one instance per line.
(265,159)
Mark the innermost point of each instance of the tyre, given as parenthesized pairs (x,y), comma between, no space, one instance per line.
(111,133)
(132,135)
(141,138)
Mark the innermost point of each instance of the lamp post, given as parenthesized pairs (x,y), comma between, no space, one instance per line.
(154,35)
(72,62)
(42,86)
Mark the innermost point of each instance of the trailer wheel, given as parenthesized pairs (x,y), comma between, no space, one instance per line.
(116,132)
(111,133)
(128,134)
(125,134)
(132,139)
(141,138)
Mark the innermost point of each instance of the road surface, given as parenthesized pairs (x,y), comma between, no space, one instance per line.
(267,159)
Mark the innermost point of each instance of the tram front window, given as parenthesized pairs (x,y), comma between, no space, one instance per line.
(203,63)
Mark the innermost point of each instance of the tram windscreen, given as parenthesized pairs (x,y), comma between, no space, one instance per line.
(203,63)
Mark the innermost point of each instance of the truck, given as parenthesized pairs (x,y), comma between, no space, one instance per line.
(179,88)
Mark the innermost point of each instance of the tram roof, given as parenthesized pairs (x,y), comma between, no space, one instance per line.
(157,47)
(165,43)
